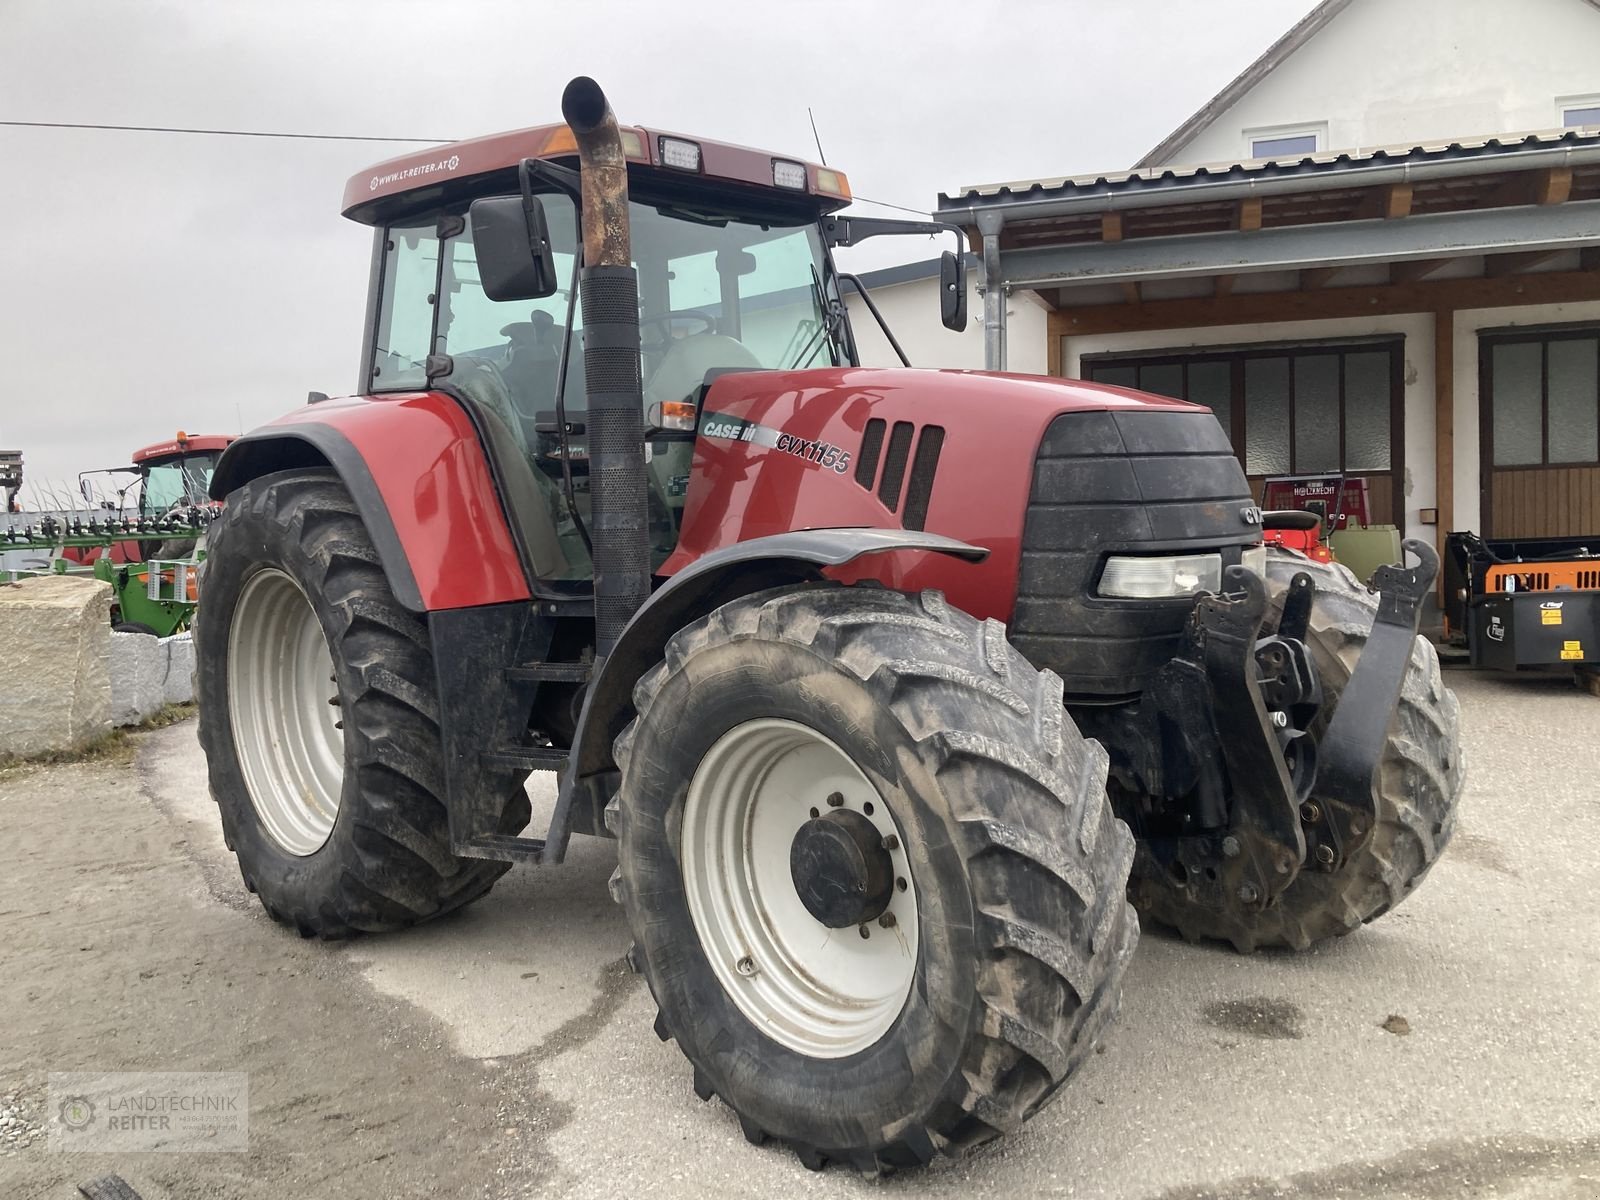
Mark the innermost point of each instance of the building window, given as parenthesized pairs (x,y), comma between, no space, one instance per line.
(1544,392)
(1579,110)
(1289,410)
(1286,143)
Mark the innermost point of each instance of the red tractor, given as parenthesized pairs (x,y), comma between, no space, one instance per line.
(885,681)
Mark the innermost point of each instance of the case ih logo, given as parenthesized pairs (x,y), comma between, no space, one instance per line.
(444,164)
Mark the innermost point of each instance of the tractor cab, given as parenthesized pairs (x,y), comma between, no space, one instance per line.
(168,476)
(176,475)
(731,251)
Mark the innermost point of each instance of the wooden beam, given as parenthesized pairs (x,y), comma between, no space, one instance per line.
(1444,426)
(1317,277)
(1498,266)
(1553,186)
(1111,227)
(1248,215)
(1222,286)
(1130,293)
(1398,201)
(1390,202)
(1052,352)
(1416,270)
(1553,287)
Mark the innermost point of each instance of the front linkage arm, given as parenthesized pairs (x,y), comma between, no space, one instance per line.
(1353,744)
(1232,712)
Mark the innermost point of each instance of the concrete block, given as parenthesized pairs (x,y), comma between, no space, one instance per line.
(138,677)
(180,668)
(55,647)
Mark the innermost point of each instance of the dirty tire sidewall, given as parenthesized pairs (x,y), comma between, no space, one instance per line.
(894,682)
(386,862)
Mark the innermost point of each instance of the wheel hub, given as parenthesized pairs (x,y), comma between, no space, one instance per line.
(842,872)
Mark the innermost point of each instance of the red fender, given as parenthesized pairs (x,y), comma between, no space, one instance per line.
(415,466)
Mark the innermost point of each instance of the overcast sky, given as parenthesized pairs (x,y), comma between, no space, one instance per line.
(155,281)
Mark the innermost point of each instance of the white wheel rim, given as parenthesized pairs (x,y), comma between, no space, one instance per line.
(823,992)
(285,728)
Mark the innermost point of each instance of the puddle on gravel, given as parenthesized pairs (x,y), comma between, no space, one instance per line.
(1257,1016)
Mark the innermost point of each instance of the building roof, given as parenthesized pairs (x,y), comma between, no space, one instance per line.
(1301,33)
(1271,59)
(1163,185)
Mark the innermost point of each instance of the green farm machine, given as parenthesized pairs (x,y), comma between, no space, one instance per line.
(149,551)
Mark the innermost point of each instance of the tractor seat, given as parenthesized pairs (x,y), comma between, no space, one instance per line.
(1290,518)
(683,369)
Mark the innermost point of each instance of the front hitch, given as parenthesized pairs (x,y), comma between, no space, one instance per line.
(1352,746)
(1230,715)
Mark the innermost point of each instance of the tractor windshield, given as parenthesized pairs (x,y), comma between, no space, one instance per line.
(716,290)
(175,482)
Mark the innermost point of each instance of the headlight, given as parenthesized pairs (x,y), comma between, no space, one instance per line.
(1255,559)
(1141,578)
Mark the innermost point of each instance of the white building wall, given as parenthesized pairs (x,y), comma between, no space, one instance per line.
(912,312)
(1388,72)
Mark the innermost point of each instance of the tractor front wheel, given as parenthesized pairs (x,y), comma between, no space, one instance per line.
(873,878)
(319,719)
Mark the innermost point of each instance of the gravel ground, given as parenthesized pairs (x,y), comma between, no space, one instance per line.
(1450,1050)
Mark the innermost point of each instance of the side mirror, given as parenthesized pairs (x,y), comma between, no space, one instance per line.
(83,487)
(953,291)
(512,242)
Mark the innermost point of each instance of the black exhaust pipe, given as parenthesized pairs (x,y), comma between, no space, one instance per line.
(609,288)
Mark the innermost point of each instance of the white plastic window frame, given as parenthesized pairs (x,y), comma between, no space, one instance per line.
(1567,104)
(1273,133)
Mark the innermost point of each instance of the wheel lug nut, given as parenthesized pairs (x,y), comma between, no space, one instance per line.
(887,921)
(835,800)
(1310,812)
(746,966)
(865,932)
(891,842)
(1325,855)
(334,700)
(900,883)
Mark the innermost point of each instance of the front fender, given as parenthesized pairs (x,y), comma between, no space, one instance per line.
(417,473)
(708,582)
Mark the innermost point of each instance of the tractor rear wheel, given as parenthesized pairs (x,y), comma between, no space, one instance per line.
(319,719)
(1419,784)
(872,875)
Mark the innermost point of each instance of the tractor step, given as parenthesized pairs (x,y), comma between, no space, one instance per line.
(550,672)
(500,847)
(533,758)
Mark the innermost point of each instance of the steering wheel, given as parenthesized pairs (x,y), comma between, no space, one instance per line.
(668,321)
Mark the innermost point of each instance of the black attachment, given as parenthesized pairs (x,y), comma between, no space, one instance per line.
(1353,744)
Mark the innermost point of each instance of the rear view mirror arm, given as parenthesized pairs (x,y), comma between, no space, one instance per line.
(877,316)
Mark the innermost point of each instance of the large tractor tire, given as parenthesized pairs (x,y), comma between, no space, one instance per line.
(873,878)
(319,719)
(1419,784)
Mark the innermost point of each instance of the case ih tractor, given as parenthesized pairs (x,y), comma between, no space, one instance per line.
(885,681)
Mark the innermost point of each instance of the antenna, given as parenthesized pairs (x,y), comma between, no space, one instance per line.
(812,118)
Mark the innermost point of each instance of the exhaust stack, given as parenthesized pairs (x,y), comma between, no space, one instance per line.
(609,289)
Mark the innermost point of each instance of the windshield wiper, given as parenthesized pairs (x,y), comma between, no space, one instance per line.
(833,315)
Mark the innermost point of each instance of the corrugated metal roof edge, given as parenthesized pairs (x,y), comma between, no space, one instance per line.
(1312,166)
